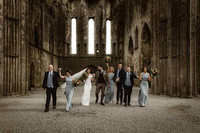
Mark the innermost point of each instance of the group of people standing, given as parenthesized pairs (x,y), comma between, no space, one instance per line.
(124,81)
(104,82)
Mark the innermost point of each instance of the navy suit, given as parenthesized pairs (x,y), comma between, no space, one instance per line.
(128,89)
(119,84)
(50,91)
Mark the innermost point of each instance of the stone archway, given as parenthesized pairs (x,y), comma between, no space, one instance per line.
(130,58)
(146,46)
(130,46)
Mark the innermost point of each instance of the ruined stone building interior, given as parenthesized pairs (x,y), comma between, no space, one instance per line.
(159,34)
(74,34)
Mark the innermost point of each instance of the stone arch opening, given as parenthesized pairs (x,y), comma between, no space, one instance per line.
(136,38)
(146,46)
(130,46)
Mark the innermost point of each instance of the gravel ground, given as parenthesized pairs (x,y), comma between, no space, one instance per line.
(163,114)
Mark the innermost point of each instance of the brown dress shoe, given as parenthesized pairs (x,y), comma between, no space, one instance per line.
(121,103)
(46,110)
(54,107)
(117,102)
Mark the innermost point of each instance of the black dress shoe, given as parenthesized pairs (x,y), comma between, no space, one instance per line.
(120,103)
(117,102)
(129,105)
(54,107)
(125,105)
(46,110)
(102,104)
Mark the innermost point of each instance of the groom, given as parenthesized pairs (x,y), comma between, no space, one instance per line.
(119,78)
(50,83)
(101,82)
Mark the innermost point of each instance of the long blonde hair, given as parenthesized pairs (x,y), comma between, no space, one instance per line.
(111,69)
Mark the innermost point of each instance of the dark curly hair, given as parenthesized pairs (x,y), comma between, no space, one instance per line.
(143,68)
(68,71)
(90,70)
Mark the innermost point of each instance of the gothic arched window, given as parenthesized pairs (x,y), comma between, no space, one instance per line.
(108,37)
(91,36)
(73,36)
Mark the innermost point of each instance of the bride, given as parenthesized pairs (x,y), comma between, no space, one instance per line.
(85,100)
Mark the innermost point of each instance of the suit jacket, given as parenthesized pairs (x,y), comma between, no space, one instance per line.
(132,76)
(55,81)
(121,76)
(105,76)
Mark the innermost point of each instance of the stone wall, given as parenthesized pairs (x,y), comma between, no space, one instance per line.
(171,30)
(31,35)
(137,36)
(46,36)
(100,11)
(154,33)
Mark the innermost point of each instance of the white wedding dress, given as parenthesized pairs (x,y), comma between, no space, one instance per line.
(85,100)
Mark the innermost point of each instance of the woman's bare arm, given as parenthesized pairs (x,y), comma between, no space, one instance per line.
(63,77)
(93,77)
(140,76)
(149,77)
(107,67)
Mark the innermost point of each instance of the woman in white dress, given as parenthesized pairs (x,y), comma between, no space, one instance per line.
(85,100)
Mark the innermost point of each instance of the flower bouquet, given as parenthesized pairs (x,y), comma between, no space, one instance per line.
(154,72)
(76,82)
(84,76)
(108,59)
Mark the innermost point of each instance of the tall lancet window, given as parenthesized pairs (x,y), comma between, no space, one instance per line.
(91,36)
(108,37)
(73,36)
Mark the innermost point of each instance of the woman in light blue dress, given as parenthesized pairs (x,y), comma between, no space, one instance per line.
(69,90)
(144,87)
(109,95)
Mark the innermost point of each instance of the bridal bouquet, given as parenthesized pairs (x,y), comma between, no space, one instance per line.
(84,76)
(76,82)
(108,59)
(154,72)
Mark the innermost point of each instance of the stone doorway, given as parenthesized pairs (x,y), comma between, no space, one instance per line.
(146,47)
(131,53)
(130,46)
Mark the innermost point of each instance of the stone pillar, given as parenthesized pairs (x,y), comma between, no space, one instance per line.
(184,49)
(197,83)
(169,52)
(192,46)
(103,35)
(23,47)
(1,49)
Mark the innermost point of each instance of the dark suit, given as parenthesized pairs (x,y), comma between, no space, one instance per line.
(101,81)
(50,90)
(119,84)
(128,89)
